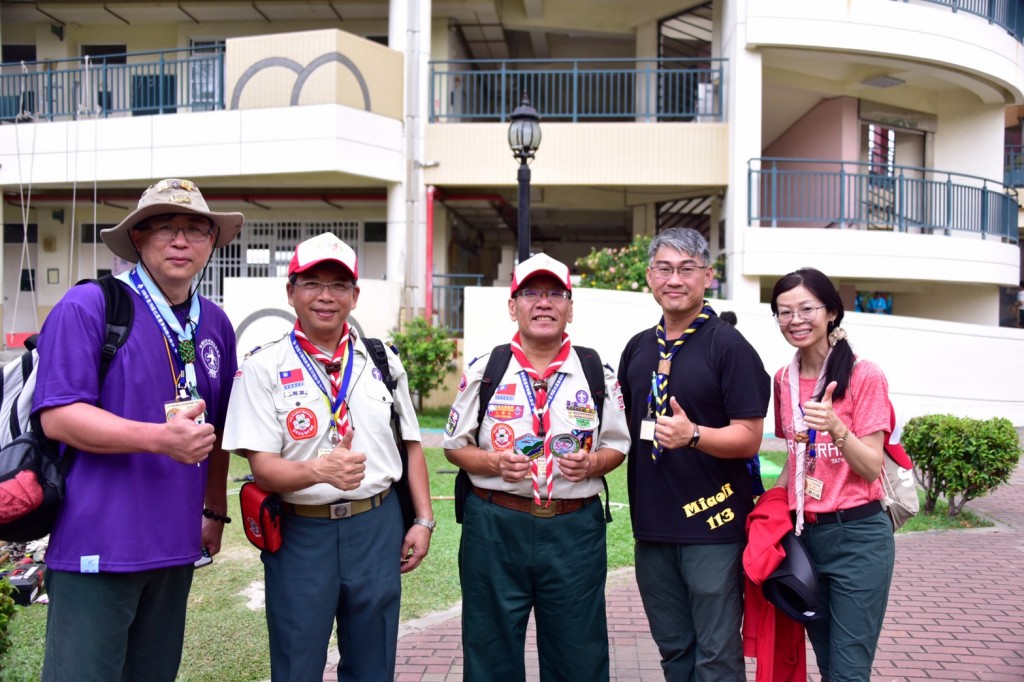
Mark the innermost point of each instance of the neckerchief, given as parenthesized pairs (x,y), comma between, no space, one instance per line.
(800,426)
(343,357)
(665,366)
(180,339)
(539,408)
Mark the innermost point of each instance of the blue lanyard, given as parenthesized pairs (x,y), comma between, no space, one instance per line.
(337,401)
(168,323)
(527,382)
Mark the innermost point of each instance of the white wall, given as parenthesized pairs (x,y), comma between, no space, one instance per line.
(919,357)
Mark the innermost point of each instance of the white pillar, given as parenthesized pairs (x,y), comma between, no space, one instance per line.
(743,85)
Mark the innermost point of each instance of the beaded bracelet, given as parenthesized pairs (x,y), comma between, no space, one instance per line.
(210,514)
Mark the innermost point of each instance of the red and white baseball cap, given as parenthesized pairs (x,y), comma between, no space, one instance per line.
(323,248)
(541,264)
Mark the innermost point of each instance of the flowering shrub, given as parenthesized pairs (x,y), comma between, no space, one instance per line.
(623,269)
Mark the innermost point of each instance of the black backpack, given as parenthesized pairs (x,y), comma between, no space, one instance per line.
(497,363)
(379,355)
(32,470)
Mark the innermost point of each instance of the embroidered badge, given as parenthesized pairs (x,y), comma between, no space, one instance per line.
(582,416)
(376,374)
(582,397)
(586,439)
(620,403)
(505,413)
(292,376)
(462,384)
(301,423)
(502,437)
(564,444)
(210,354)
(453,421)
(505,393)
(530,445)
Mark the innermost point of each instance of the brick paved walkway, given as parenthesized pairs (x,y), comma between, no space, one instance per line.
(956,612)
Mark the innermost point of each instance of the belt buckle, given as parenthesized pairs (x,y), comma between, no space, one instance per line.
(541,511)
(341,510)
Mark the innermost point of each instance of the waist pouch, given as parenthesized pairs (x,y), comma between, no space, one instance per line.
(261,517)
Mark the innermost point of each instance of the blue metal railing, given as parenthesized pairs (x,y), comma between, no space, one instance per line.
(1008,14)
(1013,166)
(449,296)
(479,90)
(788,192)
(135,83)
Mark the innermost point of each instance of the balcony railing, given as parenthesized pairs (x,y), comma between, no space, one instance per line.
(1013,166)
(1008,14)
(134,83)
(449,299)
(787,192)
(482,90)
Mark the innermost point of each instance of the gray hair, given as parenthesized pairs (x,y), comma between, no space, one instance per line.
(684,240)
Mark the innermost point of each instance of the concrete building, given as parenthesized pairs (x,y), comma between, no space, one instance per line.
(867,138)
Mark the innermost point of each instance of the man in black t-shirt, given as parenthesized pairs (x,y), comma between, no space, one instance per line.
(696,394)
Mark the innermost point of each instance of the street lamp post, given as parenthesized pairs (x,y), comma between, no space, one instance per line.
(524,139)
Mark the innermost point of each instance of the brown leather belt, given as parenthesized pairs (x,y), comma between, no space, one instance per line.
(337,510)
(527,505)
(852,514)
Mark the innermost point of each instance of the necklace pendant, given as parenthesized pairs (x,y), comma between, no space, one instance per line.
(665,367)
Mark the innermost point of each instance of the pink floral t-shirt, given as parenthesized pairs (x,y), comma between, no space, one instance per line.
(864,408)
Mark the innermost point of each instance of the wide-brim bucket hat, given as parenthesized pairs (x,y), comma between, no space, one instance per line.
(170,196)
(793,586)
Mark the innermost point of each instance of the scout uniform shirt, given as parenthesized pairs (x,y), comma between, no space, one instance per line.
(275,407)
(508,421)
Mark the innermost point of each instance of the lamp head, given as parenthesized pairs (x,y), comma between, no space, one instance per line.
(524,131)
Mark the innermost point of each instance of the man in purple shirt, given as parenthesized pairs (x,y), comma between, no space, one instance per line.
(147,490)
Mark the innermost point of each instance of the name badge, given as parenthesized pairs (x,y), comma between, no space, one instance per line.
(323,452)
(175,406)
(813,487)
(647,429)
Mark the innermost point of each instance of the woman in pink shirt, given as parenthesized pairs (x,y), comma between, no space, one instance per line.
(833,411)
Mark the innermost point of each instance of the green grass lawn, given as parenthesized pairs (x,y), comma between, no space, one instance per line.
(226,640)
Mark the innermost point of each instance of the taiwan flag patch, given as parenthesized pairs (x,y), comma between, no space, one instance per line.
(292,376)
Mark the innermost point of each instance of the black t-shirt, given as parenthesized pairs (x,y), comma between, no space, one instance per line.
(688,497)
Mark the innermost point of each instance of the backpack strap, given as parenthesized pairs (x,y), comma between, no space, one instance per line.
(379,356)
(119,317)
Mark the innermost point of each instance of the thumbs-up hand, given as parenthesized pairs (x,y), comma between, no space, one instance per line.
(186,441)
(819,414)
(674,430)
(343,468)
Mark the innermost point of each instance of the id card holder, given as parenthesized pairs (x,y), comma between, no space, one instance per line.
(813,487)
(173,407)
(647,429)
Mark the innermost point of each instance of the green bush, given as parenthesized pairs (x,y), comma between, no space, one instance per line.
(427,354)
(959,458)
(623,269)
(6,613)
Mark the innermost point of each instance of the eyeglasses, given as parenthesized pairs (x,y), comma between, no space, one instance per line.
(550,294)
(684,271)
(168,233)
(314,288)
(807,313)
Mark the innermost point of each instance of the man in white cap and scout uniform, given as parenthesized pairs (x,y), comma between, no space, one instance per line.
(533,533)
(312,415)
(146,491)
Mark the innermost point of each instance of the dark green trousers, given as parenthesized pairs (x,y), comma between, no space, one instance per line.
(110,627)
(511,562)
(854,561)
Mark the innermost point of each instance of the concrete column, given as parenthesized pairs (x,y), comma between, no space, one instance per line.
(742,98)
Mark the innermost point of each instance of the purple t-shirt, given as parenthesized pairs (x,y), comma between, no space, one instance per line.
(133,511)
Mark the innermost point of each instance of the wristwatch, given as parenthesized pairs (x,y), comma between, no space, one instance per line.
(696,437)
(840,442)
(426,523)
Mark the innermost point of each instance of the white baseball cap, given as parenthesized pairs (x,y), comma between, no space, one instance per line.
(541,264)
(323,248)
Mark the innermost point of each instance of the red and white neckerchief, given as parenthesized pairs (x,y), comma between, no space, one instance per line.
(541,417)
(333,365)
(800,426)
